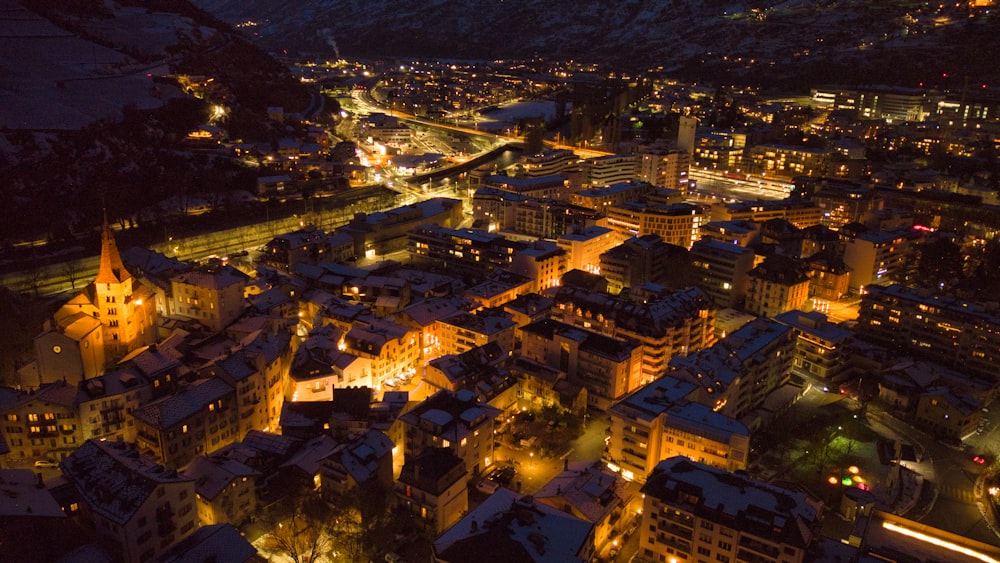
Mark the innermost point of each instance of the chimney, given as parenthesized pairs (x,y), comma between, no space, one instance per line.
(475,525)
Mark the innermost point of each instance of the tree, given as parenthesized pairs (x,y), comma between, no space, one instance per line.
(302,536)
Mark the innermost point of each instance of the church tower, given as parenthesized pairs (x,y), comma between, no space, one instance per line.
(125,308)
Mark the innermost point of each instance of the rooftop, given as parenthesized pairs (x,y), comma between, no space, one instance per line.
(739,502)
(114,479)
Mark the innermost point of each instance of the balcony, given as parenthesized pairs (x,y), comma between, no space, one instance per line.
(674,529)
(673,542)
(759,546)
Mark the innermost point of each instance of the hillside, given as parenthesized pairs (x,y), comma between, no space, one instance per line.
(96,99)
(794,42)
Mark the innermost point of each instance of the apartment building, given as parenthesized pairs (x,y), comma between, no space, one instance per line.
(199,419)
(584,247)
(954,332)
(736,375)
(800,212)
(600,198)
(665,167)
(876,257)
(641,260)
(821,354)
(777,284)
(212,296)
(694,512)
(680,323)
(136,507)
(610,169)
(455,420)
(678,223)
(657,422)
(722,270)
(608,367)
(433,488)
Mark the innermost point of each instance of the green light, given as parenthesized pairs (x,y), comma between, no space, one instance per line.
(847,481)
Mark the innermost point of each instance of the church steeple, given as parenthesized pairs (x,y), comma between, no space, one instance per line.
(111,268)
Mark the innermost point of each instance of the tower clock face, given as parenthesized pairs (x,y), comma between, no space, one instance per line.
(57,348)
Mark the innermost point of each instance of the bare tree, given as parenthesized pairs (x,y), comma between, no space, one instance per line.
(302,536)
(72,269)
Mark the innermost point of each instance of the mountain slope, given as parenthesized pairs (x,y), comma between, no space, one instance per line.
(711,38)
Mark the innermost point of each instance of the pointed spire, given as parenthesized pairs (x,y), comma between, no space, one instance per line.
(111,268)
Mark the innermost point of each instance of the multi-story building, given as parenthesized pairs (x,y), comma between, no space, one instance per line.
(677,223)
(226,489)
(480,370)
(590,492)
(721,269)
(461,250)
(600,198)
(496,210)
(464,331)
(392,348)
(665,167)
(542,261)
(103,404)
(553,186)
(736,374)
(212,296)
(740,232)
(549,162)
(950,331)
(549,218)
(875,258)
(423,316)
(453,420)
(433,488)
(308,246)
(32,522)
(387,130)
(693,512)
(657,422)
(584,248)
(520,527)
(821,350)
(199,419)
(387,231)
(136,507)
(608,367)
(678,324)
(787,161)
(611,169)
(777,284)
(500,287)
(40,425)
(257,370)
(641,260)
(493,208)
(364,460)
(799,212)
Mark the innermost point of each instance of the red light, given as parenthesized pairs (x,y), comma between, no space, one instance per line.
(944,75)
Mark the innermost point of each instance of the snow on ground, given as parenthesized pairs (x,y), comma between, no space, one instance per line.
(50,79)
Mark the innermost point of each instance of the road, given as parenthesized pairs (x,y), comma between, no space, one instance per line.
(951,504)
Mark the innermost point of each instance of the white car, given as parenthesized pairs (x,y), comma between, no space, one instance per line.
(487,486)
(46,463)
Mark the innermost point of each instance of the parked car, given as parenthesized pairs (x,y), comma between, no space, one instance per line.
(487,486)
(503,475)
(46,463)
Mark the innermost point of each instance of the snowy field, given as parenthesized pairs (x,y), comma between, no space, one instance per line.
(55,80)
